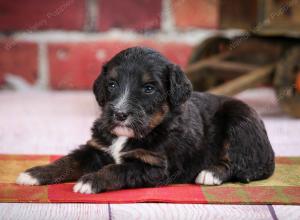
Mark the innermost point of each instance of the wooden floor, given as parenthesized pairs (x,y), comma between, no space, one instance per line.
(145,211)
(56,122)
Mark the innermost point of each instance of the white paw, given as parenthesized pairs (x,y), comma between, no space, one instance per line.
(26,179)
(206,177)
(81,187)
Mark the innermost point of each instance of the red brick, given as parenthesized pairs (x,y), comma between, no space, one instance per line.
(18,58)
(132,14)
(76,65)
(31,15)
(196,13)
(177,52)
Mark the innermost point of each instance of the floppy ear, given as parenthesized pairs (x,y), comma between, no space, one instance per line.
(99,87)
(180,87)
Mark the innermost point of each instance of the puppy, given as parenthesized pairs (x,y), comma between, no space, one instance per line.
(155,131)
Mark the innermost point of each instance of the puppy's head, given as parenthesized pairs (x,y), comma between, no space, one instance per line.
(137,89)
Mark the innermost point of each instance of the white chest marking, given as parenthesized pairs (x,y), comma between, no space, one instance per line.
(116,147)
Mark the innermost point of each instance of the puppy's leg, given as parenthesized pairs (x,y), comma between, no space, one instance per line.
(207,177)
(219,173)
(248,152)
(84,160)
(214,175)
(139,169)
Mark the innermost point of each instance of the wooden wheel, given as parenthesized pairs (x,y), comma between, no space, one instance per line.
(287,82)
(206,49)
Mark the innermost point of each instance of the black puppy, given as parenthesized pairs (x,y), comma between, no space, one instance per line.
(155,131)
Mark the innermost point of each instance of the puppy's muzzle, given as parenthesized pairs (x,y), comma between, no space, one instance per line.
(120,115)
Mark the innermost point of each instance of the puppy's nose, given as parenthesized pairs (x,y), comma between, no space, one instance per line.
(121,116)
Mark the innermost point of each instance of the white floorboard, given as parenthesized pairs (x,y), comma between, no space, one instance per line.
(188,211)
(22,211)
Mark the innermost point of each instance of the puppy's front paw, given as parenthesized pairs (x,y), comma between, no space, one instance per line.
(40,175)
(27,179)
(87,184)
(206,177)
(85,188)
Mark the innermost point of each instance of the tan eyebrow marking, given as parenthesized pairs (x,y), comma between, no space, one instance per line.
(146,78)
(113,73)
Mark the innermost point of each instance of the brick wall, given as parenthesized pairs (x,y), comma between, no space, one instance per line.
(61,44)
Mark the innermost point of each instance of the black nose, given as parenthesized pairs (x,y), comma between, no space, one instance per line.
(121,116)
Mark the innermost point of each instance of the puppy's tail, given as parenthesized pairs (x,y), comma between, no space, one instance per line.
(250,152)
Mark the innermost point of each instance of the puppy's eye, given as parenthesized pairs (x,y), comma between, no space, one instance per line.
(112,85)
(148,89)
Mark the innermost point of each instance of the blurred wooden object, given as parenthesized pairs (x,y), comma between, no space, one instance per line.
(267,53)
(286,82)
(249,62)
(240,57)
(265,17)
(249,80)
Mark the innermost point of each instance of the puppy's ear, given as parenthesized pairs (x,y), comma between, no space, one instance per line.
(180,87)
(99,87)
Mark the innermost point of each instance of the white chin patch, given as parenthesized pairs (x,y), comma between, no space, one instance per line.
(26,179)
(84,188)
(123,131)
(206,177)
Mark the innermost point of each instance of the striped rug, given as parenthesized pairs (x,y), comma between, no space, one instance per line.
(282,188)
